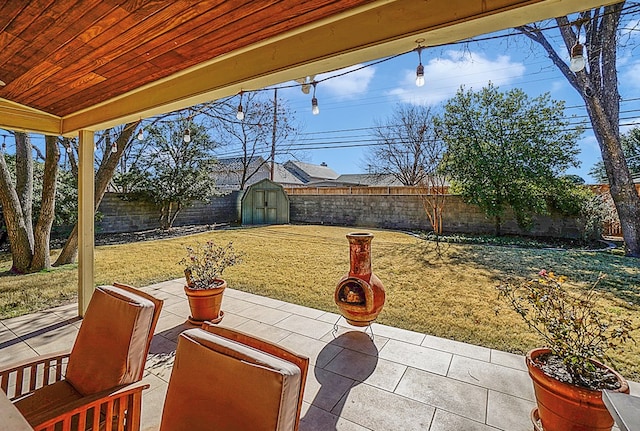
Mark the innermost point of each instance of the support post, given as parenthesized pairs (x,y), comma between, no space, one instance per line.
(86,198)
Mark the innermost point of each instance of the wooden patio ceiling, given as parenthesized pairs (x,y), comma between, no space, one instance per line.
(71,65)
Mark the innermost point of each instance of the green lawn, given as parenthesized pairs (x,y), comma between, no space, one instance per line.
(450,296)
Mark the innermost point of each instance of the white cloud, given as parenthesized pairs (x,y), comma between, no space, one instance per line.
(349,86)
(444,76)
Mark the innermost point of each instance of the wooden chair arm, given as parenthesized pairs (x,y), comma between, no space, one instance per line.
(113,403)
(26,376)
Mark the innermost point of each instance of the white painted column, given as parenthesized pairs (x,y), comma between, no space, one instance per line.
(86,239)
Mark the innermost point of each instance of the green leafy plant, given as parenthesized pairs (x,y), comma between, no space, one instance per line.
(205,263)
(572,325)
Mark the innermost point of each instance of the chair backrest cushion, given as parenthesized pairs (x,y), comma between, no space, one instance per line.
(301,361)
(220,384)
(110,349)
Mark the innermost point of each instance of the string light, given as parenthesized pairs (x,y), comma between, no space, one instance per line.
(187,136)
(577,62)
(141,134)
(114,148)
(315,109)
(68,148)
(420,68)
(240,113)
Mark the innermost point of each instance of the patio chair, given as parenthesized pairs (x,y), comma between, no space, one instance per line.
(96,384)
(229,381)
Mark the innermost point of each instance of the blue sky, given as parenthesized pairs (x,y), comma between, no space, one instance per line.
(359,99)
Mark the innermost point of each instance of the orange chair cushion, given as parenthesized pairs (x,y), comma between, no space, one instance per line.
(36,405)
(110,349)
(220,384)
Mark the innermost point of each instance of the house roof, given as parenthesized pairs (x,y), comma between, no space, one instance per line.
(369,180)
(283,176)
(314,171)
(71,65)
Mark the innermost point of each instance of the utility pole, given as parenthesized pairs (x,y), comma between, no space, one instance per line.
(273,135)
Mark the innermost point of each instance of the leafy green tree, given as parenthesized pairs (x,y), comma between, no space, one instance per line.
(178,171)
(630,142)
(507,150)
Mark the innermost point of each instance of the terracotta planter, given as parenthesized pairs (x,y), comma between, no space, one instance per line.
(205,303)
(565,407)
(360,294)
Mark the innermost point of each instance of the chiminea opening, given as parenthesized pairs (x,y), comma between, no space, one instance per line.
(351,292)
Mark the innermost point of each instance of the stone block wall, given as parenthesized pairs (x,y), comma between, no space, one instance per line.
(119,215)
(364,207)
(396,211)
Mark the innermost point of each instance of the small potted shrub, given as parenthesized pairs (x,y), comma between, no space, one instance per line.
(568,374)
(204,265)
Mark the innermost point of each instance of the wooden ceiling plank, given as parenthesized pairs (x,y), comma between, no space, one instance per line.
(189,59)
(56,12)
(24,19)
(27,15)
(9,10)
(233,22)
(33,77)
(67,105)
(50,37)
(105,53)
(74,52)
(201,16)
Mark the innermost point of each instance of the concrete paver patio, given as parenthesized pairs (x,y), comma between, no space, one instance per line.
(400,380)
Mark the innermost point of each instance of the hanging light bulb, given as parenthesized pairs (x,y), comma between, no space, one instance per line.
(141,134)
(240,113)
(315,109)
(114,148)
(577,57)
(187,136)
(420,68)
(68,148)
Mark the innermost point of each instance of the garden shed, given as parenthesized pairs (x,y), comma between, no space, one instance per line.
(265,202)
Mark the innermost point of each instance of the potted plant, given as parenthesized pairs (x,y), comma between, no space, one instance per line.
(204,265)
(568,375)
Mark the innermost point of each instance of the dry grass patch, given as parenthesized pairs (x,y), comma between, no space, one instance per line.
(451,295)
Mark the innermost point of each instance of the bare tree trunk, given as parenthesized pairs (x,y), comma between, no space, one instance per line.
(173,217)
(21,246)
(107,168)
(42,232)
(24,180)
(598,86)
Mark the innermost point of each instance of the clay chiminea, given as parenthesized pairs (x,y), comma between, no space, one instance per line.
(360,294)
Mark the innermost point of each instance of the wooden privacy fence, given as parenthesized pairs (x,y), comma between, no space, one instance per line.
(376,190)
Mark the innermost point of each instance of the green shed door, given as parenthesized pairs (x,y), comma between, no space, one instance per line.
(265,210)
